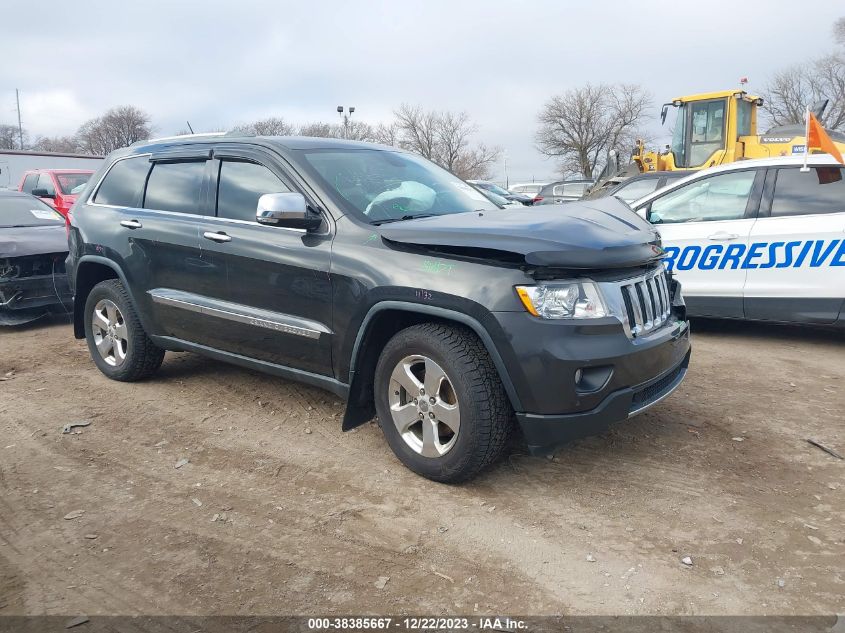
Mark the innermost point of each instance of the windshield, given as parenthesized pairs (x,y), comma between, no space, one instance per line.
(489,186)
(26,211)
(383,186)
(72,183)
(496,199)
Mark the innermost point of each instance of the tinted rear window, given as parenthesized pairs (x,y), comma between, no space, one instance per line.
(26,211)
(175,187)
(820,190)
(124,184)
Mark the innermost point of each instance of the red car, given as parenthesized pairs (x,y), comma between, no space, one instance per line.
(56,187)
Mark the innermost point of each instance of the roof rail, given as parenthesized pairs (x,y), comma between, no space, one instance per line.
(177,136)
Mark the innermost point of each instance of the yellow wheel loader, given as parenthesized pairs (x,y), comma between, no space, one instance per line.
(715,128)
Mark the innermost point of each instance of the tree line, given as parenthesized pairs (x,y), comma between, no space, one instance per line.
(446,138)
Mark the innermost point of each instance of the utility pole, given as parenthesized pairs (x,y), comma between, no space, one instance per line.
(20,127)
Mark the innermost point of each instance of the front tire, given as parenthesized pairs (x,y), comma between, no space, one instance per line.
(440,402)
(118,344)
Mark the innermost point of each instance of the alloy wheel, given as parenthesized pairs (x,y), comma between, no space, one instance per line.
(110,335)
(424,406)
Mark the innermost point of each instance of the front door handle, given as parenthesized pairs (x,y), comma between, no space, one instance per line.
(131,224)
(217,237)
(722,236)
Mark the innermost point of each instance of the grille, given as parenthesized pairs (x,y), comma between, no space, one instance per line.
(653,391)
(647,302)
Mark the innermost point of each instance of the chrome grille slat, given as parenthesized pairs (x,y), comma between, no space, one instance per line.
(646,302)
(655,305)
(665,285)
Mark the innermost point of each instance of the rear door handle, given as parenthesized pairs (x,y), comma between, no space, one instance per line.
(131,224)
(722,236)
(217,237)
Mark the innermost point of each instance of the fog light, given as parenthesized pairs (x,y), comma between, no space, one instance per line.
(592,379)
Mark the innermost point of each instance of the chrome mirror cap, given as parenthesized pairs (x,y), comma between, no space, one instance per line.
(287,210)
(280,208)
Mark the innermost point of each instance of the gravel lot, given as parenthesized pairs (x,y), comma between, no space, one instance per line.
(277,511)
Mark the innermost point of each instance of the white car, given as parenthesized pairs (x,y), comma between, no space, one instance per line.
(757,239)
(528,188)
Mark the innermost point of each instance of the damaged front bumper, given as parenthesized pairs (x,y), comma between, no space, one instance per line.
(25,296)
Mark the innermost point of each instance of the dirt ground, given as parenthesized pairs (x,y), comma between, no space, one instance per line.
(278,512)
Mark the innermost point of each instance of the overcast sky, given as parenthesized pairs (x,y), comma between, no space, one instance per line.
(221,63)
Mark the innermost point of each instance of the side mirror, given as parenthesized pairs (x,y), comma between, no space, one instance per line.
(287,210)
(42,193)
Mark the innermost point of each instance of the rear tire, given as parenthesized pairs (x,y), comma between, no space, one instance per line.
(440,402)
(118,344)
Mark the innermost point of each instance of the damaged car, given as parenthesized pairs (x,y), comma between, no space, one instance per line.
(33,248)
(374,274)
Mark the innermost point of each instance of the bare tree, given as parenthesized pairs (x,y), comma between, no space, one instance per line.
(444,138)
(118,127)
(320,130)
(271,126)
(417,130)
(61,144)
(789,92)
(10,137)
(582,125)
(387,133)
(839,31)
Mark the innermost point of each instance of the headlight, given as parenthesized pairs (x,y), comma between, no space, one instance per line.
(563,300)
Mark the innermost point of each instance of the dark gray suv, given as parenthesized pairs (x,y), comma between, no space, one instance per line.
(374,274)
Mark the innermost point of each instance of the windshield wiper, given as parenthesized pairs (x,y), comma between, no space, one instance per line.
(404,217)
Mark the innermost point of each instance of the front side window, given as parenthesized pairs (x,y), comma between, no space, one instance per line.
(818,191)
(239,187)
(679,135)
(45,182)
(175,187)
(721,197)
(383,186)
(123,185)
(707,130)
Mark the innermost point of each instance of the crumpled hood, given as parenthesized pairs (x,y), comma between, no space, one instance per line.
(32,240)
(592,234)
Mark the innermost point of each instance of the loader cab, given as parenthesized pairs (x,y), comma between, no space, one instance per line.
(708,128)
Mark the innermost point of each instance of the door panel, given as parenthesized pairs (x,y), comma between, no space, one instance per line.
(800,238)
(282,278)
(277,277)
(165,246)
(705,226)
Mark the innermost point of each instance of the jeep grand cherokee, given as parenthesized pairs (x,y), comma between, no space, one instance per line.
(373,273)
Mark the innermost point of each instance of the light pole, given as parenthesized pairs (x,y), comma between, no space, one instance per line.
(345,118)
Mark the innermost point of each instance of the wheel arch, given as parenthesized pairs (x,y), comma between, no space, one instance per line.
(381,323)
(90,271)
